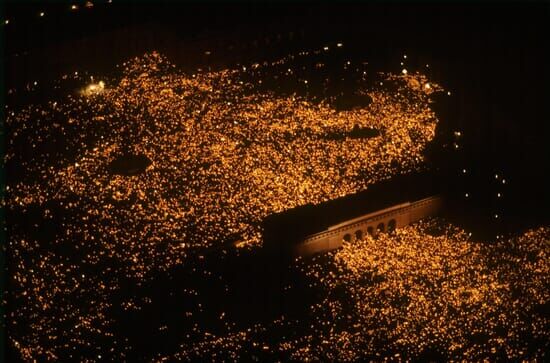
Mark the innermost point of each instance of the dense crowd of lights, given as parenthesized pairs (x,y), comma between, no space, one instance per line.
(224,155)
(424,292)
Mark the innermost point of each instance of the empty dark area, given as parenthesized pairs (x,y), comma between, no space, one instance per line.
(195,295)
(129,164)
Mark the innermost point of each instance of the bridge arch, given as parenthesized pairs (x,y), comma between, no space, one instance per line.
(384,220)
(392,225)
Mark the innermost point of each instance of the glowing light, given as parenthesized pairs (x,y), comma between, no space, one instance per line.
(41,14)
(498,195)
(496,216)
(405,56)
(7,21)
(427,66)
(427,86)
(458,133)
(93,88)
(325,48)
(496,176)
(464,171)
(89,4)
(207,52)
(404,71)
(339,45)
(403,257)
(74,7)
(503,181)
(449,93)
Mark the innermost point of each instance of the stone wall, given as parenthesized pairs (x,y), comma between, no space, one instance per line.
(373,223)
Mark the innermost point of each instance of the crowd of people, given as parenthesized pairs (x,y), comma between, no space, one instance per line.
(224,155)
(424,292)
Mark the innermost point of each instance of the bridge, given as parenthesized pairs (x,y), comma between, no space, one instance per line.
(384,220)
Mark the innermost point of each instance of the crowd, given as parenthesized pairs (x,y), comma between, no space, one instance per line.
(223,156)
(426,292)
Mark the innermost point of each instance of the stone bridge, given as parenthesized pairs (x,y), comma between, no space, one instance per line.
(385,220)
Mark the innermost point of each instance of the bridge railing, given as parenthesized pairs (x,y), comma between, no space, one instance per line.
(371,217)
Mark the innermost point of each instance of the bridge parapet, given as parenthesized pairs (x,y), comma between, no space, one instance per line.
(387,219)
